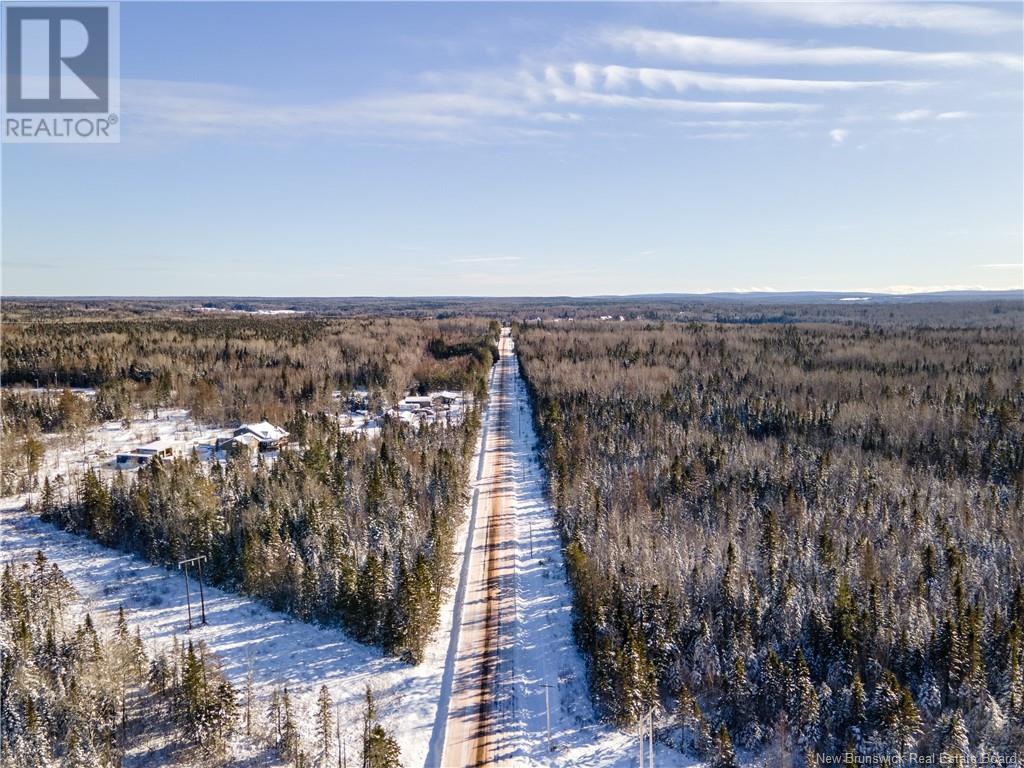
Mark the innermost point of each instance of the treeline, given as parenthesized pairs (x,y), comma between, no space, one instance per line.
(793,538)
(348,531)
(75,696)
(230,369)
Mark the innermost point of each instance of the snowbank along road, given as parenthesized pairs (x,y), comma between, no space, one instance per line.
(502,682)
(481,700)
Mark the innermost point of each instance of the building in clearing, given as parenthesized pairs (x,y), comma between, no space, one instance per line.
(246,443)
(415,402)
(141,456)
(267,436)
(447,398)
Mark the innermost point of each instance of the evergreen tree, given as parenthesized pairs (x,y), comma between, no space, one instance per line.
(289,746)
(323,723)
(804,709)
(955,747)
(380,750)
(724,756)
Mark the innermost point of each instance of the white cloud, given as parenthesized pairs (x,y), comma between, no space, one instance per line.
(948,17)
(751,52)
(1010,266)
(919,115)
(838,136)
(615,77)
(612,100)
(768,123)
(517,106)
(211,109)
(913,115)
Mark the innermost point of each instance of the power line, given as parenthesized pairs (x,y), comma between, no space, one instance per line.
(183,565)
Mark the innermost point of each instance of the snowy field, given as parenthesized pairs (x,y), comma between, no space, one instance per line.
(68,456)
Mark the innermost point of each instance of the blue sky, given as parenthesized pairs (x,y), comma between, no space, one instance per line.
(339,149)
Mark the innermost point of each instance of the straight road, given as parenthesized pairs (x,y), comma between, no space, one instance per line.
(477,732)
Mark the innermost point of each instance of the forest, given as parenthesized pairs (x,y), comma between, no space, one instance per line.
(792,538)
(236,368)
(77,694)
(347,530)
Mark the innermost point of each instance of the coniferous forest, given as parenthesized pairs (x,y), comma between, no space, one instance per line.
(349,530)
(787,536)
(79,695)
(794,538)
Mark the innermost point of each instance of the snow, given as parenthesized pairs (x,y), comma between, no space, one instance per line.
(88,393)
(265,431)
(68,456)
(544,654)
(241,632)
(412,701)
(250,311)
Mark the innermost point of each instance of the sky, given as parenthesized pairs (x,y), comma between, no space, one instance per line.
(502,149)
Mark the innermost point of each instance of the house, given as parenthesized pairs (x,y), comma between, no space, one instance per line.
(246,443)
(141,456)
(415,402)
(268,436)
(447,398)
(131,459)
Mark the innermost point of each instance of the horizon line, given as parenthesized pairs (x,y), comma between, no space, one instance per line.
(660,294)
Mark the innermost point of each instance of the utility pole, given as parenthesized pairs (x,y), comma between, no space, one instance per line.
(640,740)
(342,752)
(183,565)
(645,730)
(547,713)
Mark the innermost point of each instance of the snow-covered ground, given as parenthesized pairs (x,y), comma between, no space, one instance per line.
(363,421)
(68,456)
(243,634)
(89,393)
(544,653)
(281,651)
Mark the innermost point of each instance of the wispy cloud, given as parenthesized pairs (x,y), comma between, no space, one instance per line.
(751,52)
(794,122)
(912,115)
(919,115)
(212,109)
(507,106)
(838,136)
(544,99)
(616,77)
(946,17)
(1007,266)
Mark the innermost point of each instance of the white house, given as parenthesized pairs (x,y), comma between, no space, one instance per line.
(268,435)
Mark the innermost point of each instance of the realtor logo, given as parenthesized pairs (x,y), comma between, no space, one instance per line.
(61,73)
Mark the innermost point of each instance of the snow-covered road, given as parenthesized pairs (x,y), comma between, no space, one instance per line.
(537,652)
(534,659)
